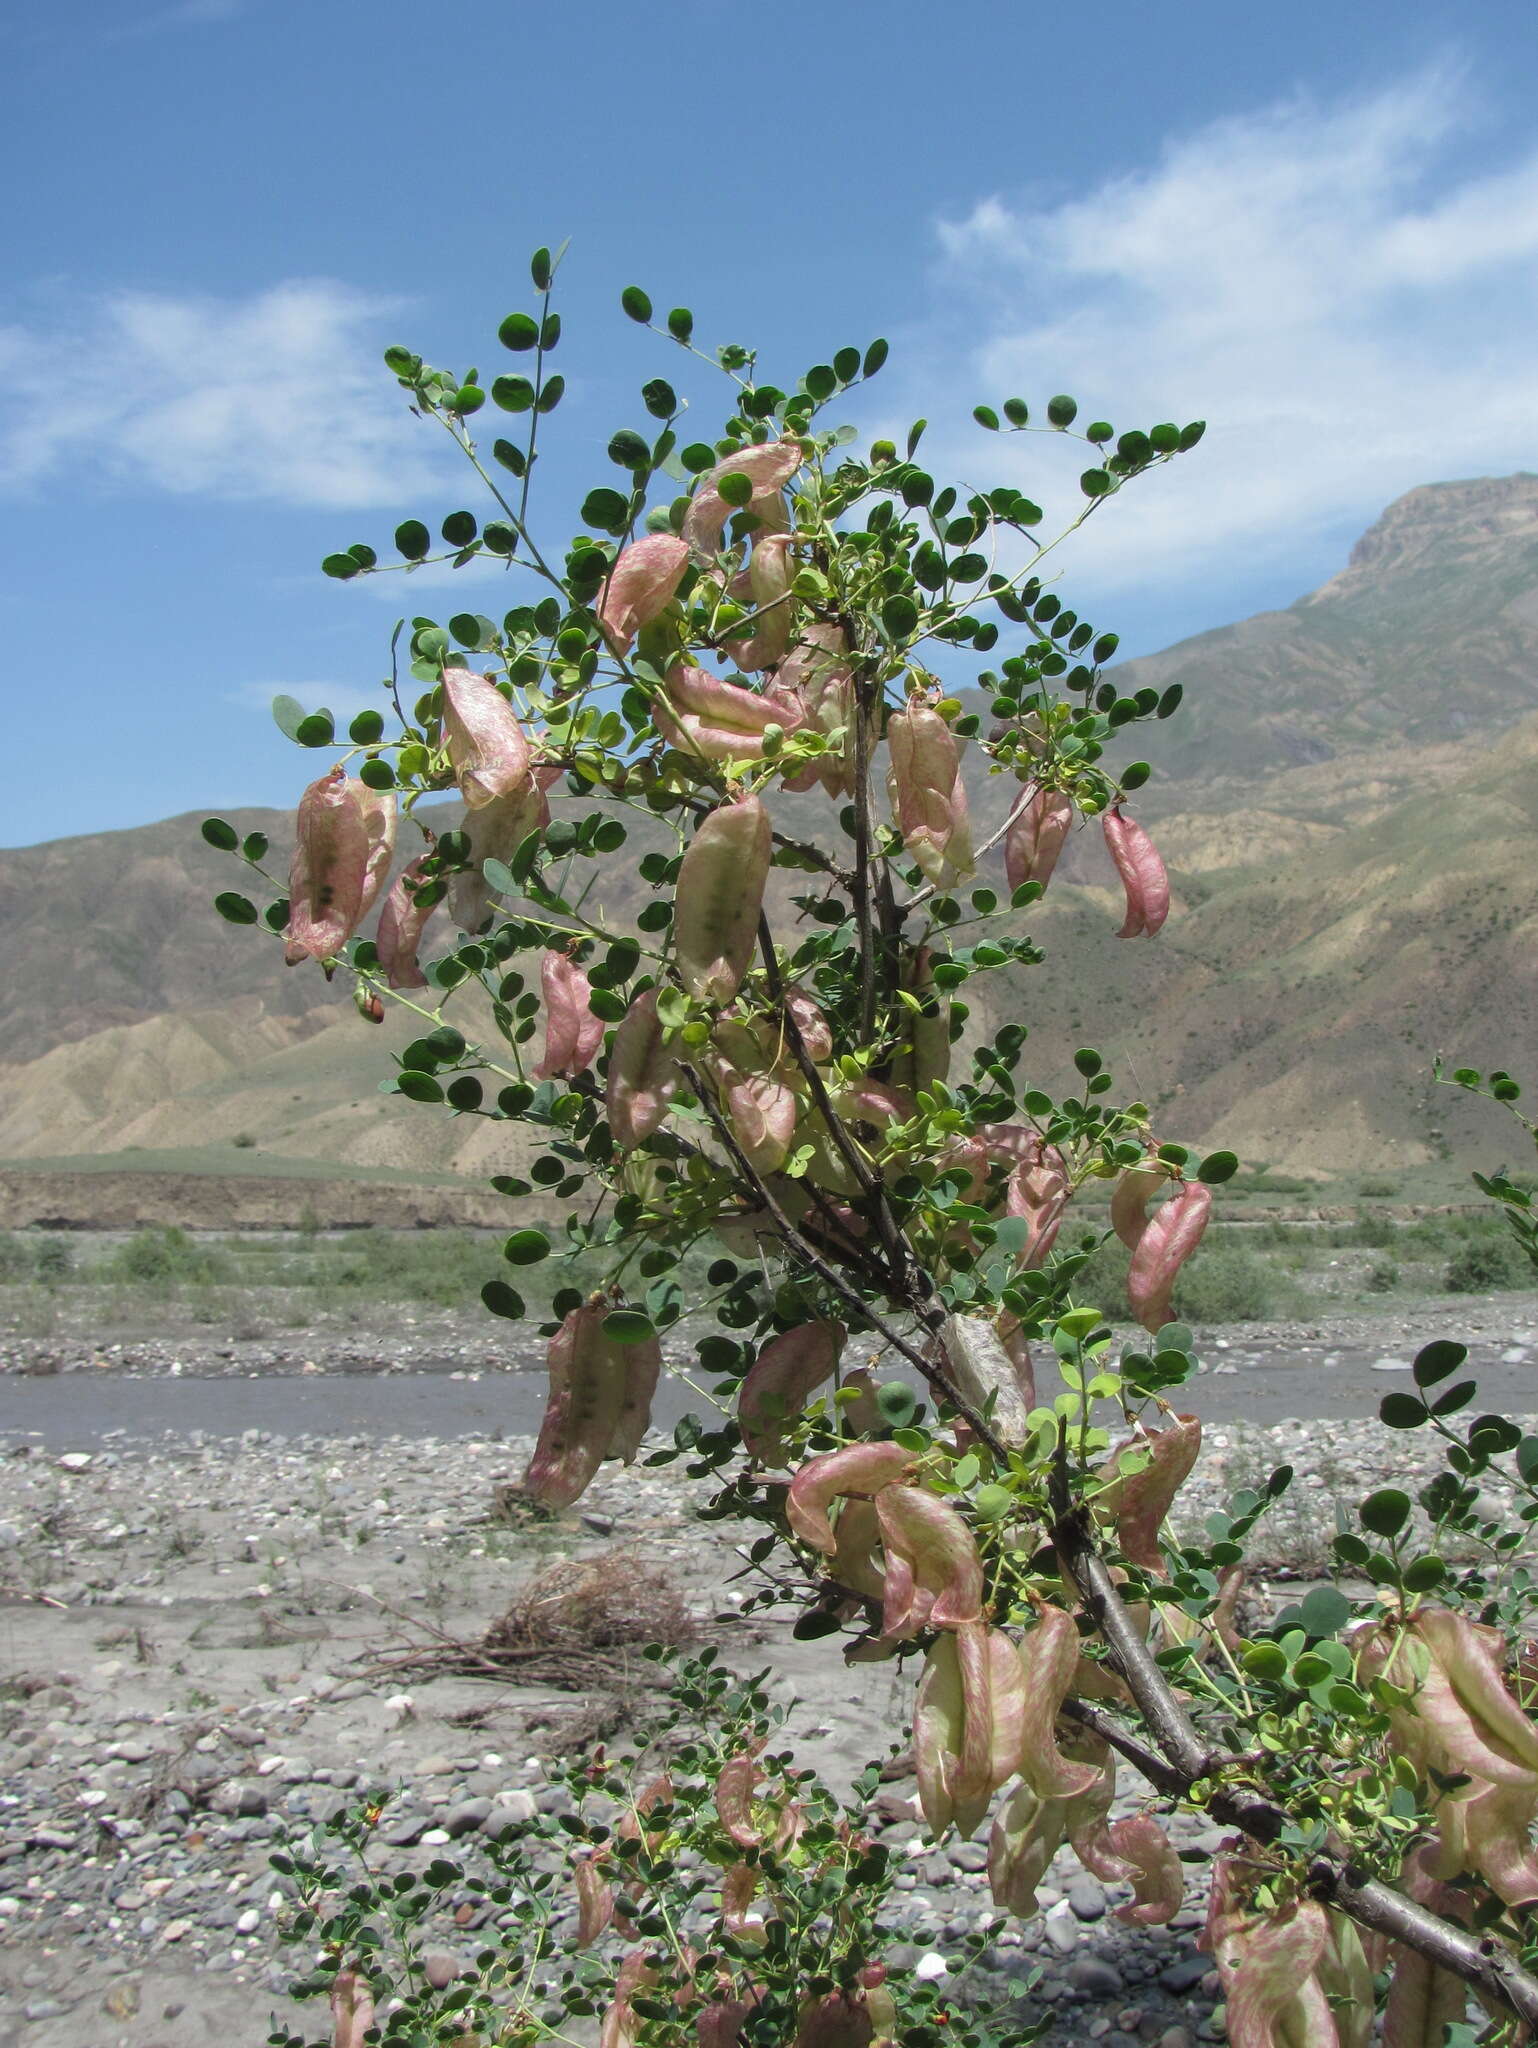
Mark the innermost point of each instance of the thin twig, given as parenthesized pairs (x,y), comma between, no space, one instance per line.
(794,1242)
(1186,1760)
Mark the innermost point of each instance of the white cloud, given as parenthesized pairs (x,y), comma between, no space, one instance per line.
(280,395)
(1351,314)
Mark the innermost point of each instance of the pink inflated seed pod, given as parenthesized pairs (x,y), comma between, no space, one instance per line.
(928,797)
(1130,1197)
(640,587)
(781,1380)
(718,899)
(953,1729)
(643,1074)
(495,832)
(1049,1658)
(572,1033)
(1171,1235)
(329,873)
(486,746)
(1142,874)
(598,1406)
(770,573)
(352,2009)
(768,466)
(595,1901)
(1140,1481)
(856,1469)
(702,714)
(934,1576)
(401,923)
(1038,831)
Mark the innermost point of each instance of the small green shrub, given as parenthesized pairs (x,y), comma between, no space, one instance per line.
(1383,1278)
(1381,1188)
(165,1256)
(1487,1265)
(17,1261)
(1233,1285)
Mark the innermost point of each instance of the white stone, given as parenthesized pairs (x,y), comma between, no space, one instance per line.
(931,1966)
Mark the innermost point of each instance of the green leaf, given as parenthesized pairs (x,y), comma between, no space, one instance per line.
(513,394)
(289,715)
(985,416)
(606,510)
(376,774)
(412,539)
(459,529)
(899,616)
(1324,1611)
(417,1087)
(1062,411)
(366,728)
(636,303)
(541,269)
(734,488)
(1094,483)
(629,450)
(503,1300)
(1385,1512)
(659,398)
(1437,1361)
(220,834)
(234,908)
(681,323)
(875,356)
(628,1325)
(1403,1411)
(526,1248)
(1265,1661)
(1218,1167)
(318,730)
(1016,411)
(341,567)
(518,332)
(897,1403)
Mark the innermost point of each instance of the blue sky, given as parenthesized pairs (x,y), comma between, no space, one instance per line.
(1315,226)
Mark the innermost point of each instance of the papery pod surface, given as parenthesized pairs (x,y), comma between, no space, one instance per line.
(769,575)
(643,1074)
(719,897)
(1139,1482)
(495,832)
(929,799)
(934,1576)
(1038,831)
(951,1731)
(640,586)
(1142,874)
(487,747)
(352,2009)
(572,1033)
(401,923)
(782,1379)
(1049,1661)
(595,1387)
(768,466)
(1168,1239)
(856,1469)
(329,870)
(701,714)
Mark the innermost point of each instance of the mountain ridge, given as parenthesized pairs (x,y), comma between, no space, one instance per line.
(1348,803)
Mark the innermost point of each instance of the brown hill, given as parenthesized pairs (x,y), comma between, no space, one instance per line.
(1352,852)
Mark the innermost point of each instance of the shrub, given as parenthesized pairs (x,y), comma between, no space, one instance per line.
(165,1256)
(1487,1265)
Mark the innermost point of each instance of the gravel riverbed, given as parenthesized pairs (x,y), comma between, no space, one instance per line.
(193,1627)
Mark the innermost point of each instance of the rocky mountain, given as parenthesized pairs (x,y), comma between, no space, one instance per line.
(1348,803)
